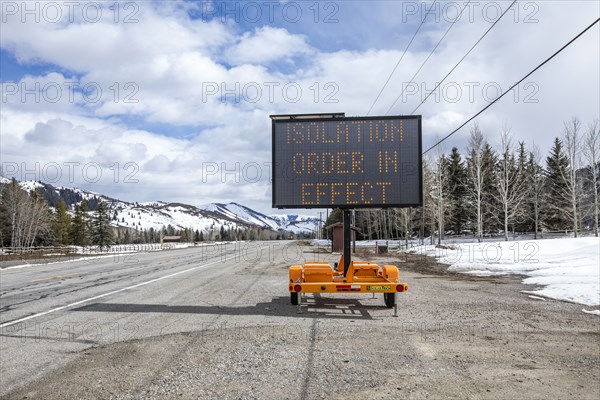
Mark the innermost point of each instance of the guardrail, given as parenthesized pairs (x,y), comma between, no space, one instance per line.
(46,252)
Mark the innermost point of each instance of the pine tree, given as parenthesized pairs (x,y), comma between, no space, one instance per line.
(80,228)
(102,234)
(536,192)
(62,224)
(185,236)
(152,236)
(557,205)
(525,220)
(170,231)
(142,237)
(490,204)
(126,237)
(523,159)
(457,191)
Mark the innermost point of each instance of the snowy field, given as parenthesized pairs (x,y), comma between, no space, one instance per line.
(567,269)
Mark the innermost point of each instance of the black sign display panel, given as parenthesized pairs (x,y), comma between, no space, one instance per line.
(347,162)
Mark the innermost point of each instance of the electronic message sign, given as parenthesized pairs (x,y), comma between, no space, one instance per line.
(346,162)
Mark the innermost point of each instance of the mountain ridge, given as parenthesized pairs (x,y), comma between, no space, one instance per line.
(159,214)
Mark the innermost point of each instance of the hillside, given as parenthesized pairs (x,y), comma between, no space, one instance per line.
(160,214)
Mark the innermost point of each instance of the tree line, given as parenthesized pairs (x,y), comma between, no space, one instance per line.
(507,189)
(27,220)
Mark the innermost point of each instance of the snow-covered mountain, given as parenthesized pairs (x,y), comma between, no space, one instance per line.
(161,214)
(237,212)
(297,223)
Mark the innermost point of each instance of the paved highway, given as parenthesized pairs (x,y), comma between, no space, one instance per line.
(49,313)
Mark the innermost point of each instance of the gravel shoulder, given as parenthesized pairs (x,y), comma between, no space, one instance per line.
(238,337)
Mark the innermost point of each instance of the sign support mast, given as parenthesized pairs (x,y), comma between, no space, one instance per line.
(347,240)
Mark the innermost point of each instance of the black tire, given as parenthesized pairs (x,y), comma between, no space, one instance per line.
(294,297)
(389,299)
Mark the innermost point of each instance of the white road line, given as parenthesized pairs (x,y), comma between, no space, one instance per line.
(110,293)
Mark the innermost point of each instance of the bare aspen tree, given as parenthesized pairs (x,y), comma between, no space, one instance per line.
(403,221)
(39,218)
(572,141)
(440,199)
(362,220)
(28,215)
(429,215)
(14,201)
(510,180)
(591,151)
(475,170)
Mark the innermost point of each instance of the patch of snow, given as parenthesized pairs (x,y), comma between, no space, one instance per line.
(567,268)
(537,298)
(30,185)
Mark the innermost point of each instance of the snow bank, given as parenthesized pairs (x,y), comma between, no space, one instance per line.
(569,269)
(321,242)
(593,312)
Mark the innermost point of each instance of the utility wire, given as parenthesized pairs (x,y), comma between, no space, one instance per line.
(465,56)
(427,59)
(401,57)
(516,84)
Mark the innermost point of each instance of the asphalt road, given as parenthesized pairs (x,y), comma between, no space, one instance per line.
(42,319)
(216,322)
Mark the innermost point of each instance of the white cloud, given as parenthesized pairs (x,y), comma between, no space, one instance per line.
(265,45)
(176,66)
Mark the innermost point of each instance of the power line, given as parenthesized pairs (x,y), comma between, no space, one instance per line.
(516,84)
(430,54)
(465,56)
(401,57)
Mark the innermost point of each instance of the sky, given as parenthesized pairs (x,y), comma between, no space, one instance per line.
(170,100)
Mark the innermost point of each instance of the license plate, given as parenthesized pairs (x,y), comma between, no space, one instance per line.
(379,288)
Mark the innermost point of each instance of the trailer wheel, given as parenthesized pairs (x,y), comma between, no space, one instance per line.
(389,299)
(294,297)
